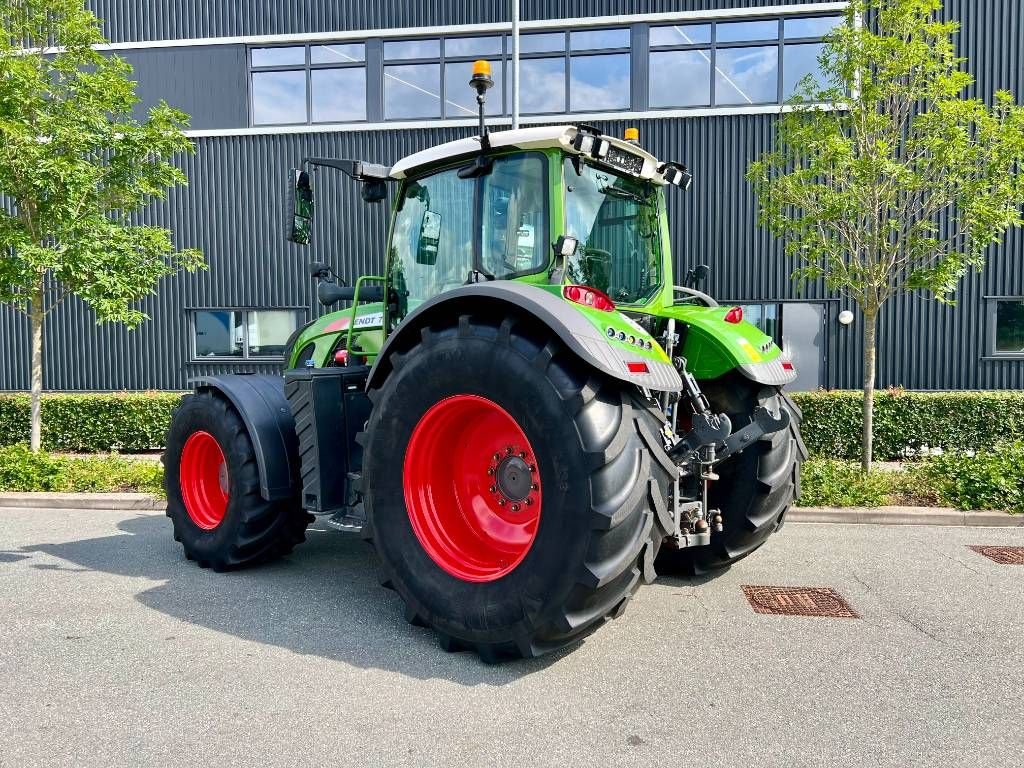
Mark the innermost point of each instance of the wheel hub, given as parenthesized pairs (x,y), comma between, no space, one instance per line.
(514,478)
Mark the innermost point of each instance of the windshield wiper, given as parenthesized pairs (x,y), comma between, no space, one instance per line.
(625,194)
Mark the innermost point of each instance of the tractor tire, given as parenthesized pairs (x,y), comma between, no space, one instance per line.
(213,490)
(756,487)
(515,497)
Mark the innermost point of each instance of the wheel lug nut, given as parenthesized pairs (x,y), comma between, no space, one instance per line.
(490,470)
(501,502)
(529,501)
(515,507)
(533,486)
(533,468)
(493,489)
(497,457)
(508,450)
(522,454)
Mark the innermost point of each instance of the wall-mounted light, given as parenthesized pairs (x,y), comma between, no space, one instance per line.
(845,317)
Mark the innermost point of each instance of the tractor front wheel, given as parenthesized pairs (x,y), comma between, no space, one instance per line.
(515,497)
(213,490)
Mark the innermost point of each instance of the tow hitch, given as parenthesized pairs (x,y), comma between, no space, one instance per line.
(709,441)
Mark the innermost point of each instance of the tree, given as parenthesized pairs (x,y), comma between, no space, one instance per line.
(902,183)
(75,170)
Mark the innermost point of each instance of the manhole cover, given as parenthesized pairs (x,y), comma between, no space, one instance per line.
(1001,555)
(799,601)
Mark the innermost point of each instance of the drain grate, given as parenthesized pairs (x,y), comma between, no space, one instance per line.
(1001,555)
(799,601)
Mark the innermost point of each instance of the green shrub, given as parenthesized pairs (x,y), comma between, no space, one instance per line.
(24,471)
(92,423)
(833,483)
(947,420)
(992,479)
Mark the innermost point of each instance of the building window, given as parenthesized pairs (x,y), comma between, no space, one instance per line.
(243,334)
(302,84)
(734,63)
(767,317)
(1006,320)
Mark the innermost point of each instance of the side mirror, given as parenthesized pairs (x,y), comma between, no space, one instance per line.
(701,273)
(430,237)
(300,208)
(374,191)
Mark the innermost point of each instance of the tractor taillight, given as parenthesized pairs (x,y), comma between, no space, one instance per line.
(734,315)
(341,357)
(588,297)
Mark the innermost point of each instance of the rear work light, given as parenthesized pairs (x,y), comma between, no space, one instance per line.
(734,315)
(588,297)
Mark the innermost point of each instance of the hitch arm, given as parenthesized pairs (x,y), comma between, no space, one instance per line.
(763,423)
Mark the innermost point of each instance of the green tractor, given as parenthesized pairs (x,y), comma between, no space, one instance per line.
(523,415)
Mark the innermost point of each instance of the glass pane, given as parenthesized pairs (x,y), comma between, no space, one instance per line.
(338,94)
(412,49)
(599,82)
(1010,326)
(432,238)
(219,333)
(472,46)
(595,39)
(737,31)
(279,97)
(680,79)
(747,75)
(338,53)
(514,220)
(412,91)
(681,34)
(278,57)
(542,43)
(543,85)
(798,61)
(460,99)
(816,27)
(269,331)
(615,221)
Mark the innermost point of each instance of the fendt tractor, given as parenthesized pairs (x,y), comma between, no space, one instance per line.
(523,415)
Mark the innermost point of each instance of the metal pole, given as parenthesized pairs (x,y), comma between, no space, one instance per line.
(515,64)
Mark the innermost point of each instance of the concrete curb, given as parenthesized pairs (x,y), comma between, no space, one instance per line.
(84,501)
(144,502)
(903,516)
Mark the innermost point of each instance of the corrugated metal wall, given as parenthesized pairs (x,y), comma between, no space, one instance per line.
(232,210)
(177,19)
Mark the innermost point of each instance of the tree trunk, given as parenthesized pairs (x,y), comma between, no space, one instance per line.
(867,436)
(37,315)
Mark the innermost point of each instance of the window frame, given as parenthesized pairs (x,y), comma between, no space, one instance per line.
(301,314)
(991,323)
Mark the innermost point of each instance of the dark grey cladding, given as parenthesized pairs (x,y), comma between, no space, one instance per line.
(232,210)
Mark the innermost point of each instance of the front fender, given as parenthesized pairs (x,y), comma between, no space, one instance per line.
(713,347)
(261,403)
(583,330)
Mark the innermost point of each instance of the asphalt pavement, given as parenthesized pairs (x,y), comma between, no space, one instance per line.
(116,651)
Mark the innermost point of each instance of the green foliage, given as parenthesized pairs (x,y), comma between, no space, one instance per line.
(92,423)
(76,166)
(22,470)
(992,479)
(943,420)
(831,483)
(857,192)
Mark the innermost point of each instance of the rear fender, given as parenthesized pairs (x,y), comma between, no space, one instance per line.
(713,347)
(577,327)
(261,403)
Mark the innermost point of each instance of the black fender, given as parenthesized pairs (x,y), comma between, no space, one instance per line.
(585,341)
(261,403)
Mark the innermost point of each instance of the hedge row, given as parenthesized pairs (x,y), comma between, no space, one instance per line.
(130,422)
(910,420)
(94,423)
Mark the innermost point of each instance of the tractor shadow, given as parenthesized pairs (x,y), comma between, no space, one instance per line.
(322,600)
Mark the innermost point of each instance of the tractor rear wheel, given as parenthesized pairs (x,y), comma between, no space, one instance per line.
(213,490)
(515,497)
(756,487)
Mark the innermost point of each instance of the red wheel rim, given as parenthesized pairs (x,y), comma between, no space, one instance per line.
(204,480)
(472,488)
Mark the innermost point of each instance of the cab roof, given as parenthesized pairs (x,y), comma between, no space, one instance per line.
(539,137)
